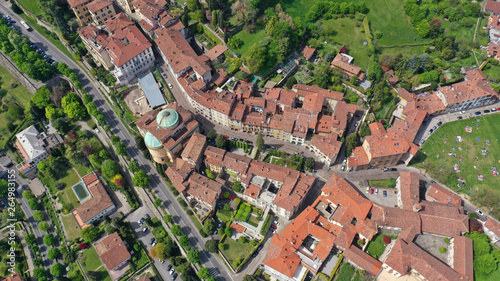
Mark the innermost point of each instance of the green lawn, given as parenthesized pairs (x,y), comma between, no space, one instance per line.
(92,261)
(298,8)
(249,39)
(68,198)
(391,182)
(20,94)
(71,226)
(82,170)
(235,249)
(492,72)
(377,246)
(103,274)
(71,178)
(346,272)
(486,192)
(278,161)
(32,6)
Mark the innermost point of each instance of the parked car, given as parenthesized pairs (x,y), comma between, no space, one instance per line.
(460,118)
(169,267)
(393,169)
(152,241)
(462,112)
(175,276)
(422,141)
(479,212)
(376,191)
(170,86)
(273,226)
(493,109)
(440,123)
(478,113)
(254,254)
(385,193)
(145,229)
(162,261)
(342,167)
(385,169)
(172,271)
(486,111)
(154,244)
(368,189)
(372,190)
(434,128)
(260,247)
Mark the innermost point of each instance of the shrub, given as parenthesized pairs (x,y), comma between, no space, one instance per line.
(387,239)
(447,240)
(242,239)
(253,243)
(226,195)
(443,250)
(202,233)
(59,185)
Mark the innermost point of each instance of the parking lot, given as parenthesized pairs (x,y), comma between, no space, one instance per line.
(146,236)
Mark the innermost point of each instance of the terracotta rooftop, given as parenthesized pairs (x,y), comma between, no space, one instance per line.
(462,256)
(178,173)
(358,157)
(493,226)
(112,251)
(252,191)
(126,44)
(340,61)
(203,188)
(194,148)
(304,90)
(386,145)
(474,87)
(362,259)
(494,49)
(144,277)
(149,8)
(75,3)
(118,22)
(493,6)
(237,227)
(442,195)
(99,202)
(328,145)
(179,53)
(98,5)
(308,51)
(90,178)
(244,89)
(493,22)
(410,189)
(216,51)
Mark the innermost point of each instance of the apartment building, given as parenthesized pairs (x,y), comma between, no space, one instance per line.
(101,11)
(151,11)
(81,11)
(120,48)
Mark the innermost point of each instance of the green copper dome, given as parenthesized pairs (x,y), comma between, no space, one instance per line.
(151,140)
(167,118)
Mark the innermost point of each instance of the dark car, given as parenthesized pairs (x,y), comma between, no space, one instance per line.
(175,276)
(393,169)
(147,216)
(385,193)
(440,123)
(478,113)
(486,111)
(460,118)
(260,247)
(254,254)
(169,267)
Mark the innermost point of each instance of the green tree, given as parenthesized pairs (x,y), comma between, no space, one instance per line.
(228,231)
(104,154)
(49,239)
(41,98)
(212,245)
(121,148)
(255,57)
(309,164)
(209,226)
(352,141)
(211,135)
(204,273)
(423,28)
(193,5)
(485,264)
(193,256)
(43,226)
(168,218)
(4,187)
(72,107)
(133,167)
(259,142)
(57,269)
(221,142)
(53,253)
(109,169)
(15,112)
(290,82)
(141,179)
(160,250)
(28,194)
(249,277)
(184,241)
(30,239)
(242,239)
(237,186)
(39,273)
(89,234)
(33,203)
(176,230)
(38,215)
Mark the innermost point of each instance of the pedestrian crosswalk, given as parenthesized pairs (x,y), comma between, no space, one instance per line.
(214,272)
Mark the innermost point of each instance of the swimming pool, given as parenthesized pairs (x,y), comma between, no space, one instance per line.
(80,191)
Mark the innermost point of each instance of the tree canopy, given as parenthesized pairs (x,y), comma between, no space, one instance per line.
(49,239)
(89,234)
(141,179)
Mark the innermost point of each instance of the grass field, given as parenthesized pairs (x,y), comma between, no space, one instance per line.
(249,39)
(377,246)
(69,198)
(298,8)
(32,6)
(492,72)
(391,182)
(71,226)
(236,249)
(92,261)
(434,159)
(346,272)
(19,93)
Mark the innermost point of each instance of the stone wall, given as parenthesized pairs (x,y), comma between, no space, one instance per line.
(21,77)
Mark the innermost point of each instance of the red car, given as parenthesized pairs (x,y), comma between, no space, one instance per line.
(273,226)
(372,190)
(226,136)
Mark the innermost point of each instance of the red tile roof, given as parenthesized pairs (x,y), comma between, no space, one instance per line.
(216,51)
(493,22)
(304,90)
(75,3)
(377,128)
(252,191)
(391,77)
(145,277)
(463,256)
(476,86)
(178,173)
(179,53)
(359,157)
(194,147)
(328,145)
(98,5)
(339,191)
(308,52)
(494,49)
(112,251)
(493,6)
(99,202)
(493,226)
(410,189)
(127,44)
(340,61)
(363,260)
(442,195)
(238,227)
(90,178)
(118,22)
(149,8)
